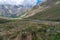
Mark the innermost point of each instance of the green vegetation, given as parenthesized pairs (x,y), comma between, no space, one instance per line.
(52,13)
(44,32)
(39,31)
(2,21)
(57,36)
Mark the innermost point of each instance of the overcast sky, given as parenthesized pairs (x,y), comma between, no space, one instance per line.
(32,2)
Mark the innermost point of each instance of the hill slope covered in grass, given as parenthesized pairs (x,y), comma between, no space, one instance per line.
(41,30)
(52,13)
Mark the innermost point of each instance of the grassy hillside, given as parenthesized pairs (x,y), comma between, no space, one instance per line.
(52,13)
(40,31)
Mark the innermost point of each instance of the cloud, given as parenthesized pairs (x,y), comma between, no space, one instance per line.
(22,2)
(11,1)
(29,2)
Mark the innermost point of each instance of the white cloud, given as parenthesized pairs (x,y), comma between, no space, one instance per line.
(11,1)
(24,2)
(30,2)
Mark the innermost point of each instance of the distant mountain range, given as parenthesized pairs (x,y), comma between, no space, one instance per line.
(13,10)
